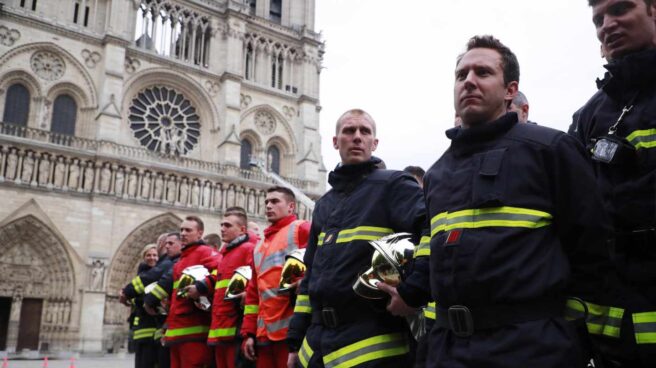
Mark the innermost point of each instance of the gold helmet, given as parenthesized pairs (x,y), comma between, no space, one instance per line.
(238,282)
(189,276)
(292,271)
(390,254)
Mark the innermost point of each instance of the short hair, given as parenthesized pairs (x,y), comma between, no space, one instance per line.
(147,248)
(509,63)
(197,220)
(520,99)
(213,239)
(356,112)
(288,193)
(416,171)
(595,2)
(238,212)
(175,233)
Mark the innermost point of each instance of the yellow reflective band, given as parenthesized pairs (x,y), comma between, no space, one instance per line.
(143,333)
(159,292)
(305,354)
(320,238)
(643,138)
(135,322)
(302,304)
(222,284)
(423,249)
(222,332)
(644,325)
(601,320)
(363,233)
(377,347)
(214,273)
(251,309)
(490,217)
(177,332)
(430,310)
(138,285)
(176,284)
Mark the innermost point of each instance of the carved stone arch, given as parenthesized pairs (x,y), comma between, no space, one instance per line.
(192,90)
(71,89)
(253,137)
(286,132)
(281,143)
(70,61)
(21,76)
(123,265)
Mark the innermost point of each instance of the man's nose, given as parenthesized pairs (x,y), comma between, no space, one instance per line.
(608,25)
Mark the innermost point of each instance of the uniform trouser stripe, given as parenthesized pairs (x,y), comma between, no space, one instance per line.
(222,332)
(251,309)
(303,304)
(186,331)
(489,217)
(377,347)
(644,325)
(430,311)
(305,354)
(601,320)
(144,333)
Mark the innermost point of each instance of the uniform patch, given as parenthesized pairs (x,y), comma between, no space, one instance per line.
(453,237)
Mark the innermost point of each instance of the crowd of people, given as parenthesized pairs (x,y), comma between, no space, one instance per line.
(533,247)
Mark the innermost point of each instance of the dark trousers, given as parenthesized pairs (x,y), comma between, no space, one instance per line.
(145,354)
(163,355)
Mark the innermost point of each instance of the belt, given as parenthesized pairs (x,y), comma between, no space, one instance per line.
(331,317)
(464,321)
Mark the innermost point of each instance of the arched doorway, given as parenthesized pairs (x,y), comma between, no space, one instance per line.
(37,296)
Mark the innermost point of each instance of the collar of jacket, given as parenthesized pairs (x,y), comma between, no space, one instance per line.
(346,177)
(463,140)
(628,74)
(274,228)
(191,245)
(241,239)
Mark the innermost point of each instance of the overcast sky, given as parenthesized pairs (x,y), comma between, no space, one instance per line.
(395,59)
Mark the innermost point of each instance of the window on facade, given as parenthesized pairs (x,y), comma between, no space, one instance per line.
(173,32)
(273,159)
(245,156)
(275,10)
(24,4)
(78,16)
(249,65)
(251,4)
(64,115)
(17,105)
(280,63)
(277,64)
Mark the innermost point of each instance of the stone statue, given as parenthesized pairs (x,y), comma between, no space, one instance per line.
(159,187)
(195,194)
(119,182)
(60,172)
(12,162)
(73,175)
(105,178)
(44,170)
(28,167)
(132,184)
(207,191)
(184,192)
(88,177)
(218,196)
(145,185)
(97,275)
(171,190)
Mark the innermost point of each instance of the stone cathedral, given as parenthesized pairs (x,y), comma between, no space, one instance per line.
(120,118)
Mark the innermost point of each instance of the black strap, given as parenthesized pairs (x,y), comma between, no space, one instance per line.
(465,320)
(334,317)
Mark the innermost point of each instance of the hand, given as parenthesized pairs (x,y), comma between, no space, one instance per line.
(192,292)
(123,299)
(396,305)
(150,310)
(292,360)
(248,349)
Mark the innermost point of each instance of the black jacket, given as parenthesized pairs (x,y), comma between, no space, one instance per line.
(364,202)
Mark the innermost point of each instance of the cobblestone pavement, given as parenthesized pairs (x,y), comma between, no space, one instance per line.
(110,361)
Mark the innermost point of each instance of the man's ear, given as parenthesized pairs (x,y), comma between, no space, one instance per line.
(335,143)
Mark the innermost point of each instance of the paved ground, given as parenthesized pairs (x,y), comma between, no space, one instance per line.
(110,361)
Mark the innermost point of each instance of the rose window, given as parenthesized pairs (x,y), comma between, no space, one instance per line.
(164,121)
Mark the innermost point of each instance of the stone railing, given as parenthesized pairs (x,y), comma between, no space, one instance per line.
(127,173)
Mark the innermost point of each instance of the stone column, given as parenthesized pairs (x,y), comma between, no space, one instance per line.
(93,305)
(14,320)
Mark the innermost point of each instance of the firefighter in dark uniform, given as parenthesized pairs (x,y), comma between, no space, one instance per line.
(618,124)
(516,226)
(332,326)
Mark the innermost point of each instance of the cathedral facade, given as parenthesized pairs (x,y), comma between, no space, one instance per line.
(120,118)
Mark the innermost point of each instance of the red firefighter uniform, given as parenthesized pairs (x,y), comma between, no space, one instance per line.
(187,326)
(267,314)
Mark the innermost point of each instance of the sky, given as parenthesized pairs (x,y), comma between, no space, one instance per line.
(395,59)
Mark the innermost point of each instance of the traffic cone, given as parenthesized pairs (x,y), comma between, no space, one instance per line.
(5,362)
(45,362)
(72,363)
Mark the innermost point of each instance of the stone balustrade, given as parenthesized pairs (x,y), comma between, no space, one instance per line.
(40,159)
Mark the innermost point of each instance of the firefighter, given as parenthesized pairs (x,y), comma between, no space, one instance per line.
(332,325)
(517,226)
(187,325)
(267,313)
(618,124)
